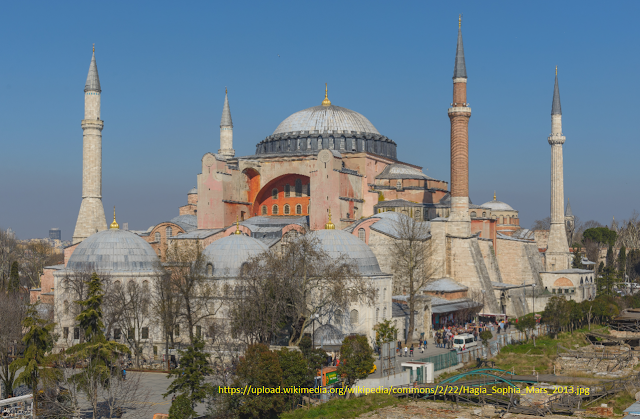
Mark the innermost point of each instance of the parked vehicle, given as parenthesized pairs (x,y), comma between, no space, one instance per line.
(465,340)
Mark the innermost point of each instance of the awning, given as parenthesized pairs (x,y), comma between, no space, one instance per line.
(454,306)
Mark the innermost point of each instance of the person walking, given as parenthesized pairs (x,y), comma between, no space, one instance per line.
(411,350)
(124,374)
(405,350)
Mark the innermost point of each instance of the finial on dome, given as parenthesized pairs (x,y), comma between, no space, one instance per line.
(326,101)
(237,226)
(114,225)
(329,225)
(494,195)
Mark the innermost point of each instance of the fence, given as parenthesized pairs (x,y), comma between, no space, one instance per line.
(442,361)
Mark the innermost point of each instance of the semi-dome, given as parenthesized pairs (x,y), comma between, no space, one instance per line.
(326,119)
(229,253)
(113,250)
(337,243)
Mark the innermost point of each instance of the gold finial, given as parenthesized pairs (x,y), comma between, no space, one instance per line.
(460,21)
(494,195)
(326,101)
(237,226)
(556,70)
(94,47)
(225,90)
(329,225)
(114,225)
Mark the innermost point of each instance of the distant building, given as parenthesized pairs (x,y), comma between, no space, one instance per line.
(55,234)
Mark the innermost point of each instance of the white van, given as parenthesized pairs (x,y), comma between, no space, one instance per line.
(465,340)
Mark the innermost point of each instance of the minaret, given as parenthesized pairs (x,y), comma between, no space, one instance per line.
(91,218)
(459,114)
(557,255)
(226,130)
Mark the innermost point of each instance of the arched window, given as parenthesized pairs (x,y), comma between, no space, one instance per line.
(361,234)
(384,313)
(264,210)
(287,210)
(399,184)
(287,191)
(169,232)
(418,214)
(157,236)
(274,193)
(209,269)
(484,214)
(384,295)
(298,188)
(353,317)
(473,214)
(274,210)
(298,209)
(581,281)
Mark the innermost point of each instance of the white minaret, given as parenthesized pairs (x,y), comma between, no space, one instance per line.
(226,130)
(557,256)
(91,217)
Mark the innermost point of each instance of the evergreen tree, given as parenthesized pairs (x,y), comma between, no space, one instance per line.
(14,278)
(610,259)
(39,342)
(189,378)
(577,259)
(356,359)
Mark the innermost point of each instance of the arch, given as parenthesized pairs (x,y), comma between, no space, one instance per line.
(484,214)
(563,282)
(581,281)
(473,214)
(354,317)
(287,191)
(290,227)
(267,196)
(338,314)
(287,209)
(253,181)
(274,209)
(169,232)
(362,235)
(263,211)
(209,269)
(232,229)
(274,193)
(157,236)
(298,209)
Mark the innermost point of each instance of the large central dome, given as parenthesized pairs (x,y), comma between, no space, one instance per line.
(326,119)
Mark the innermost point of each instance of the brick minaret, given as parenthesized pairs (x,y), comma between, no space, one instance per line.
(226,130)
(557,255)
(91,217)
(459,114)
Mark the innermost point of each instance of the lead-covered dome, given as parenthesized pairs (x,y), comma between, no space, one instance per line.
(113,250)
(337,243)
(323,119)
(229,253)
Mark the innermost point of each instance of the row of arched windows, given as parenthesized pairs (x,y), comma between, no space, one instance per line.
(168,233)
(286,210)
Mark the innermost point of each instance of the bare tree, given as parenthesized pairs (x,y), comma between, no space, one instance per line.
(9,252)
(288,289)
(198,295)
(12,312)
(36,255)
(415,264)
(544,224)
(165,303)
(133,300)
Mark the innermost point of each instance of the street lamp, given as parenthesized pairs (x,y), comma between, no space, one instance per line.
(313,343)
(483,302)
(534,301)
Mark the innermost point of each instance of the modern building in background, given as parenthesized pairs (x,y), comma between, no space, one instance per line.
(55,234)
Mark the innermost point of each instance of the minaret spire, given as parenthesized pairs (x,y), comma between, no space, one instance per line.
(226,130)
(91,218)
(556,109)
(459,69)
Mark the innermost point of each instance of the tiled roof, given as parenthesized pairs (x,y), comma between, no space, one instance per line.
(444,285)
(229,253)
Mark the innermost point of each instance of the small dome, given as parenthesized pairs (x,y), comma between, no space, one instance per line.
(326,118)
(497,206)
(113,250)
(338,242)
(229,253)
(192,191)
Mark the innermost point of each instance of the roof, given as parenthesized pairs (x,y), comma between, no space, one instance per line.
(459,68)
(503,236)
(571,271)
(394,203)
(632,411)
(229,253)
(387,224)
(440,305)
(444,285)
(113,250)
(197,234)
(402,171)
(568,212)
(188,222)
(523,234)
(496,205)
(556,109)
(226,113)
(338,242)
(326,119)
(399,310)
(505,286)
(192,190)
(93,81)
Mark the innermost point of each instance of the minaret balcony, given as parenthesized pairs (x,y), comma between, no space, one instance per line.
(459,109)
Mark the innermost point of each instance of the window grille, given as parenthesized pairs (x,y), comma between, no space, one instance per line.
(274,193)
(298,188)
(287,191)
(169,232)
(362,235)
(264,210)
(299,209)
(274,210)
(286,209)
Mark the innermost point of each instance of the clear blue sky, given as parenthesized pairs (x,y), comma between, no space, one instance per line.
(164,66)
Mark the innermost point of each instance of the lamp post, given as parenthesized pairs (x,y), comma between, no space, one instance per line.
(313,343)
(483,302)
(534,300)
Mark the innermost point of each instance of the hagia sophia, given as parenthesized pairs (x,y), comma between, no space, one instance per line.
(328,170)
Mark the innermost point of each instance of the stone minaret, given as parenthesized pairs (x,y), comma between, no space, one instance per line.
(226,130)
(91,217)
(557,255)
(459,114)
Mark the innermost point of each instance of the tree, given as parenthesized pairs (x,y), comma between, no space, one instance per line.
(166,305)
(315,357)
(198,297)
(133,301)
(544,224)
(414,262)
(189,378)
(38,341)
(14,278)
(9,252)
(385,332)
(12,312)
(259,368)
(556,314)
(622,262)
(577,259)
(35,256)
(527,324)
(601,235)
(356,359)
(486,336)
(285,290)
(181,408)
(295,373)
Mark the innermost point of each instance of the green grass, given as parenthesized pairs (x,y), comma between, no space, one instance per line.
(618,401)
(345,408)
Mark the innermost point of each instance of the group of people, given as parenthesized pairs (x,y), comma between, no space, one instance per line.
(404,350)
